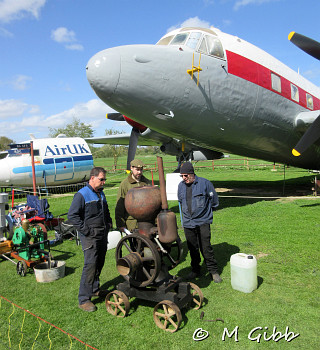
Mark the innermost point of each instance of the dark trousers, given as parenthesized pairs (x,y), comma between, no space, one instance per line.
(94,250)
(199,238)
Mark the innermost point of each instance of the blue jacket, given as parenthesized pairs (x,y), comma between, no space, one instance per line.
(88,211)
(204,200)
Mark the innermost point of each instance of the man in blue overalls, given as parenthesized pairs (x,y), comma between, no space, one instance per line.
(198,199)
(90,215)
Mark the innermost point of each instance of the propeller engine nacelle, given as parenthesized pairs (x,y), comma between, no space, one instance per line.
(174,149)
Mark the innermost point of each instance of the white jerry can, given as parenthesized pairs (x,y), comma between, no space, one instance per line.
(244,272)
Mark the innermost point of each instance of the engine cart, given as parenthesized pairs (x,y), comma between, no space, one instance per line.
(27,246)
(145,257)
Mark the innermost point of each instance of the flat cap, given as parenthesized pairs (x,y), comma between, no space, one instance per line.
(137,163)
(186,168)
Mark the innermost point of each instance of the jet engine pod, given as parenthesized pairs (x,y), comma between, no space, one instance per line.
(143,203)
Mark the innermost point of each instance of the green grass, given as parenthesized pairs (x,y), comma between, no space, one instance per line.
(282,233)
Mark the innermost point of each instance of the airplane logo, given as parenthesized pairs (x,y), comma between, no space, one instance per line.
(58,161)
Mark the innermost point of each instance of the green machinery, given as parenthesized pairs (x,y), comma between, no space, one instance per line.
(28,246)
(21,240)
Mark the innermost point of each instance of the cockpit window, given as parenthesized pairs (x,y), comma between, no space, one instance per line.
(193,39)
(165,41)
(180,39)
(211,46)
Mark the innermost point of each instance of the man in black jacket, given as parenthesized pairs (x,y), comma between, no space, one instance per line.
(90,215)
(198,199)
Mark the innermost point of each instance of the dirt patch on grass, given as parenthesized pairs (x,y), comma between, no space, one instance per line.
(261,255)
(266,192)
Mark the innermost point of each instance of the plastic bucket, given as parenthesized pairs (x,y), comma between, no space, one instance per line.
(44,274)
(244,272)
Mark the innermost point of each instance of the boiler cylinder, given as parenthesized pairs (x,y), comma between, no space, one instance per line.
(143,203)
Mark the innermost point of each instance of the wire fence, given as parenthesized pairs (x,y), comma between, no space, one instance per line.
(21,329)
(227,162)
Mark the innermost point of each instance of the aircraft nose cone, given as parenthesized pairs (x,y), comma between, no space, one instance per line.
(103,72)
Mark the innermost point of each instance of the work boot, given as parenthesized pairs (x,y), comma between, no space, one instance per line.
(216,278)
(88,306)
(101,293)
(192,275)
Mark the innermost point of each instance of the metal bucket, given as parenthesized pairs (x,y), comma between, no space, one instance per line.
(45,274)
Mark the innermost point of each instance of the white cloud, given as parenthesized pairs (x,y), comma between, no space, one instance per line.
(191,22)
(19,118)
(241,3)
(65,36)
(92,112)
(16,9)
(5,33)
(12,108)
(76,47)
(20,82)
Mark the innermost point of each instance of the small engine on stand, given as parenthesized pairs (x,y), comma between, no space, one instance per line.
(145,257)
(28,244)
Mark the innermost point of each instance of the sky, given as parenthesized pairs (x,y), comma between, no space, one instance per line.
(46,44)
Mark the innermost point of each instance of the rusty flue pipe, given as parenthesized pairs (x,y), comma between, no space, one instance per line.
(164,202)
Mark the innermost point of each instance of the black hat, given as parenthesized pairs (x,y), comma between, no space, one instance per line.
(186,168)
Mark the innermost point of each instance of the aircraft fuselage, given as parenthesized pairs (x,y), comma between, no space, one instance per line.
(232,104)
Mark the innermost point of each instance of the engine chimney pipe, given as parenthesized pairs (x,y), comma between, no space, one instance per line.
(162,182)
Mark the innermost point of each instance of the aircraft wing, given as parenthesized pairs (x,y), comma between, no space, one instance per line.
(123,139)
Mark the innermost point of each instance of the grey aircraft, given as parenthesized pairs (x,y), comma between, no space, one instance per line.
(199,93)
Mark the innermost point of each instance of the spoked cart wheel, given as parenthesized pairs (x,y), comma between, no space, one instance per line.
(167,316)
(197,296)
(117,303)
(22,268)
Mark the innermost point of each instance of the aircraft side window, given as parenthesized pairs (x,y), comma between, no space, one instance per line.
(179,39)
(294,93)
(36,152)
(203,46)
(193,39)
(165,41)
(309,101)
(211,46)
(214,47)
(276,82)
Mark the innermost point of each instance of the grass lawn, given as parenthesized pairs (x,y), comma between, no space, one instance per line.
(283,233)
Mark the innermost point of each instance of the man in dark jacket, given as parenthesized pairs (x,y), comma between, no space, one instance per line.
(89,213)
(198,199)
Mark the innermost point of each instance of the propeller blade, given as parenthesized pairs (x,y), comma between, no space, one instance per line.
(116,117)
(133,143)
(306,44)
(309,138)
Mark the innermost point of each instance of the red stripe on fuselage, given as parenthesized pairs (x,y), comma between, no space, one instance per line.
(254,72)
